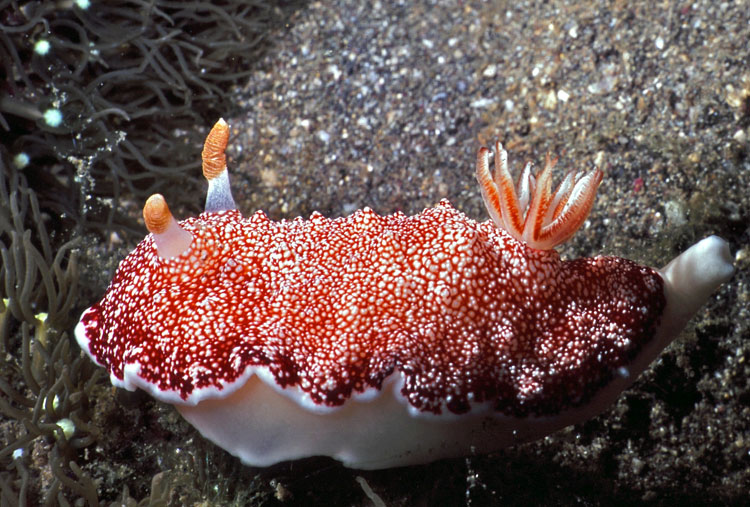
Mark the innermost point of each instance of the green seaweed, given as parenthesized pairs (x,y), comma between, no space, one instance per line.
(44,380)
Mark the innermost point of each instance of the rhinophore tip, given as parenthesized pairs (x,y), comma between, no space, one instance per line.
(171,239)
(219,195)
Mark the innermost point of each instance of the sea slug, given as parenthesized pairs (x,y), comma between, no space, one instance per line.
(387,340)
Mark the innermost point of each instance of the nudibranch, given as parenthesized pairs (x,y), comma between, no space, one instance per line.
(388,340)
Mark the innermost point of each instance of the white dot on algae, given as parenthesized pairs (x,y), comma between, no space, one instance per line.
(53,117)
(41,47)
(21,160)
(55,402)
(67,426)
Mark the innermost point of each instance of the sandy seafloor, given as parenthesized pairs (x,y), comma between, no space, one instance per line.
(385,104)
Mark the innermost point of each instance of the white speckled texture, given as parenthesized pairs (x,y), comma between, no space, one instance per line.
(263,425)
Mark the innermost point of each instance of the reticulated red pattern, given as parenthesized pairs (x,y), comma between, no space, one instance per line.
(463,311)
